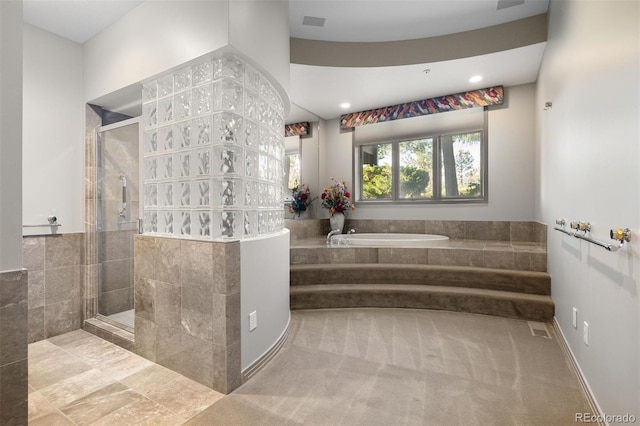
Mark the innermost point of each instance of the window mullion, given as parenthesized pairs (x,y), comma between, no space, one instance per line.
(436,168)
(395,171)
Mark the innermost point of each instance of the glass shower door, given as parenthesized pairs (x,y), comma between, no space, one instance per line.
(118,213)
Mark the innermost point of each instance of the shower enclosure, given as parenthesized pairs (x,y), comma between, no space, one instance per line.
(118,210)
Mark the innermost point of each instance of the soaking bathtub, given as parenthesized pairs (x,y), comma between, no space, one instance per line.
(387,240)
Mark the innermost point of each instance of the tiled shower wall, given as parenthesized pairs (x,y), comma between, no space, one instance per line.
(55,284)
(13,348)
(188,308)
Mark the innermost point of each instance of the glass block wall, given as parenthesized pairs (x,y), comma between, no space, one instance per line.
(213,151)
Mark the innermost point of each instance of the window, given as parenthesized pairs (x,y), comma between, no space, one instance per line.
(441,168)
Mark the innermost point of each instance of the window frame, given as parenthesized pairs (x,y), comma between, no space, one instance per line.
(436,173)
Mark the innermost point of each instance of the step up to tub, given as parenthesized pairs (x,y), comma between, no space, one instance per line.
(467,277)
(508,304)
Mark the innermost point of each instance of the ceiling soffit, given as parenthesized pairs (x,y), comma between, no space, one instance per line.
(497,38)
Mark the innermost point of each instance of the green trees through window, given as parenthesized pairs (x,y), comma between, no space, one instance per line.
(443,167)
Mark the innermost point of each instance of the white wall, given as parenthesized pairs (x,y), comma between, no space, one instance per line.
(10,136)
(53,132)
(264,288)
(511,160)
(588,152)
(152,38)
(160,35)
(260,30)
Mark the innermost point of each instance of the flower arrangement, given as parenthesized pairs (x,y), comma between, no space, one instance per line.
(337,198)
(301,199)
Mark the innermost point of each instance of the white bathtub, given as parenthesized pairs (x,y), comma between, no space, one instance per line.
(387,240)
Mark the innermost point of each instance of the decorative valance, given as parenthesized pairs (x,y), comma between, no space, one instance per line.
(296,129)
(475,98)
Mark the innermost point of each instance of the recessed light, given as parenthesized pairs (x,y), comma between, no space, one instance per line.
(475,79)
(345,105)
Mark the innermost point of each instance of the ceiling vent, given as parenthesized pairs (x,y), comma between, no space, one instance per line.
(503,4)
(314,21)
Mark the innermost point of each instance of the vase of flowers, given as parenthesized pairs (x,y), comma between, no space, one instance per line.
(337,199)
(301,200)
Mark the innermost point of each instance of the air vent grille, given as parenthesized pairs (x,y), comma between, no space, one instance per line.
(503,4)
(313,21)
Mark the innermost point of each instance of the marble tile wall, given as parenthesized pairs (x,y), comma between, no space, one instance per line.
(116,270)
(459,230)
(55,284)
(13,347)
(187,297)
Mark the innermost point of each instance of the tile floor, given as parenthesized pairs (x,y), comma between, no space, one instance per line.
(80,379)
(338,367)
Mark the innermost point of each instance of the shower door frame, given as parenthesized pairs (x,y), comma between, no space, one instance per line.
(97,217)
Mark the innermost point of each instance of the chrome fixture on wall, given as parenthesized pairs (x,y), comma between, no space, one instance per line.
(53,222)
(122,211)
(583,231)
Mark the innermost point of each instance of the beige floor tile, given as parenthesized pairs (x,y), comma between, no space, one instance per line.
(99,404)
(55,368)
(63,393)
(179,394)
(39,406)
(52,419)
(142,412)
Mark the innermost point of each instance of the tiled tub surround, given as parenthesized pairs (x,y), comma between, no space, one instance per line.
(56,270)
(187,301)
(524,232)
(494,268)
(500,245)
(13,347)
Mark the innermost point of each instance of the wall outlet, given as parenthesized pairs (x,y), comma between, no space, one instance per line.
(575,318)
(253,321)
(585,333)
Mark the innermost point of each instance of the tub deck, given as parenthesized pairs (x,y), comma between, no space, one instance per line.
(524,256)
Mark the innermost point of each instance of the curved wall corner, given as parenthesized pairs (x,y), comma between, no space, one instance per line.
(264,289)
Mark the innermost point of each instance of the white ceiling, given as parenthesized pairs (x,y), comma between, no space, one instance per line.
(319,91)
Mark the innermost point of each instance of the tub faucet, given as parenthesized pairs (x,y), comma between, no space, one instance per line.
(331,234)
(351,231)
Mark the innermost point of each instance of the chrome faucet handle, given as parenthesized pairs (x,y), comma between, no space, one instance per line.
(351,231)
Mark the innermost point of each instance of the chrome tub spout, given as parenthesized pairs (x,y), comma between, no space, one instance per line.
(331,234)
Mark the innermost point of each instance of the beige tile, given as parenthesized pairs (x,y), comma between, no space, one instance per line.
(62,284)
(123,363)
(499,259)
(33,253)
(404,255)
(39,406)
(172,390)
(169,260)
(36,289)
(196,267)
(145,255)
(100,403)
(197,313)
(141,412)
(146,338)
(51,419)
(13,393)
(145,298)
(168,305)
(64,392)
(63,250)
(62,317)
(55,367)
